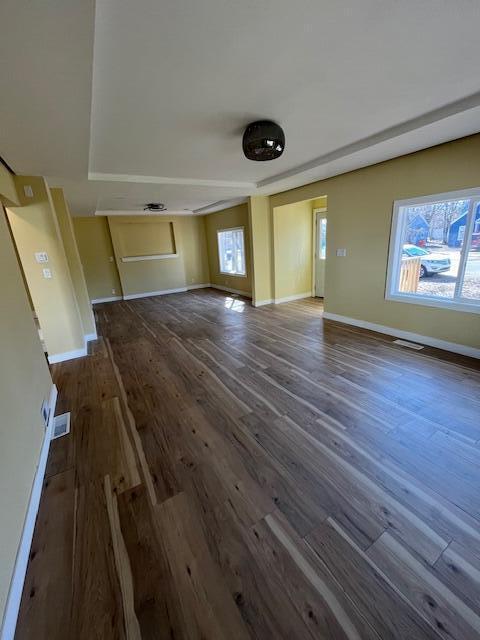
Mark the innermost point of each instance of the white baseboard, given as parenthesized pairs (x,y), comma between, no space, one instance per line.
(90,336)
(297,296)
(16,586)
(148,294)
(464,350)
(191,287)
(67,355)
(111,299)
(230,290)
(262,303)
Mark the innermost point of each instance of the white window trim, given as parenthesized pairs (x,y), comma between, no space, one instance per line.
(228,273)
(395,251)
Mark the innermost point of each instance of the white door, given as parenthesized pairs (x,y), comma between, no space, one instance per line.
(320,253)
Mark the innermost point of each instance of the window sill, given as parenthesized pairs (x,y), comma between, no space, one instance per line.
(233,275)
(452,305)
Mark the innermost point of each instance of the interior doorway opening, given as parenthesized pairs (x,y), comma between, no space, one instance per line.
(24,279)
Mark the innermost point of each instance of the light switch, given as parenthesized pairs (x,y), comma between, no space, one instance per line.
(28,191)
(41,256)
(110,259)
(47,273)
(341,253)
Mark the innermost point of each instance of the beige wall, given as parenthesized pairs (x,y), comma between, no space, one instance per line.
(97,257)
(188,267)
(228,219)
(35,228)
(292,235)
(359,218)
(24,383)
(73,258)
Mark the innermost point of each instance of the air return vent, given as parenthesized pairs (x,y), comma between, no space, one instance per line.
(410,345)
(61,425)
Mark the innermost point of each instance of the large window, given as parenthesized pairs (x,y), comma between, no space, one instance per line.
(231,251)
(435,251)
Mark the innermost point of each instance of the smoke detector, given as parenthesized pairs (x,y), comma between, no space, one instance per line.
(155,207)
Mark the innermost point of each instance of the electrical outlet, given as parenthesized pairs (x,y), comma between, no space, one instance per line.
(341,253)
(47,273)
(110,259)
(114,291)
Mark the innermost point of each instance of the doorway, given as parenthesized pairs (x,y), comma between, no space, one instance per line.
(320,251)
(24,279)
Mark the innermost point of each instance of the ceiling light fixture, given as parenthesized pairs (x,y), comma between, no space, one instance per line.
(263,140)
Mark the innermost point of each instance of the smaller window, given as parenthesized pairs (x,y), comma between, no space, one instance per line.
(231,251)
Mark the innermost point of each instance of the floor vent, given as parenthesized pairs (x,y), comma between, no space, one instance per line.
(61,425)
(410,345)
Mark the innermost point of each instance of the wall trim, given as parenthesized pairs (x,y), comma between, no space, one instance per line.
(297,296)
(262,303)
(462,349)
(147,294)
(67,355)
(111,299)
(91,336)
(230,290)
(20,570)
(156,256)
(191,287)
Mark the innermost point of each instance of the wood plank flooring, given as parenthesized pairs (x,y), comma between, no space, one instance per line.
(239,473)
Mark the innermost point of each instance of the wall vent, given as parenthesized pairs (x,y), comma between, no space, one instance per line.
(61,425)
(410,345)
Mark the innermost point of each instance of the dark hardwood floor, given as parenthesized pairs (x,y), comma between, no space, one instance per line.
(257,473)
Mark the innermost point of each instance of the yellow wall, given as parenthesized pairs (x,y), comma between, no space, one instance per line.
(35,228)
(261,244)
(96,250)
(8,190)
(228,219)
(145,238)
(292,234)
(188,267)
(359,218)
(24,383)
(73,258)
(195,250)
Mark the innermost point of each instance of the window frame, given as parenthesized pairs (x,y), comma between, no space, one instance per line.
(457,303)
(229,273)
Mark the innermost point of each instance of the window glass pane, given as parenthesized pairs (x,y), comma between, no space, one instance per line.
(432,236)
(322,239)
(231,251)
(471,280)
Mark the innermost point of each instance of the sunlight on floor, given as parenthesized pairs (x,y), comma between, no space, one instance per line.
(235,305)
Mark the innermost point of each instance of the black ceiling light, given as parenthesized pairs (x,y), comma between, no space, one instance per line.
(155,207)
(263,140)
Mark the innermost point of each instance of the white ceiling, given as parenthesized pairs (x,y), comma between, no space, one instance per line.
(147,100)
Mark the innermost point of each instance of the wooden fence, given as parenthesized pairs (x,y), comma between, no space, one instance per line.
(409,274)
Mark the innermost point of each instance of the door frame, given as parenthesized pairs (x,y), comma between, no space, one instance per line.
(315,245)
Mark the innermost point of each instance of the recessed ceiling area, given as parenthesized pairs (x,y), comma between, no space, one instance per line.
(147,101)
